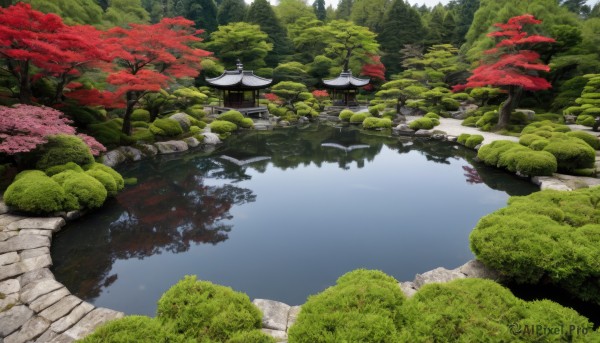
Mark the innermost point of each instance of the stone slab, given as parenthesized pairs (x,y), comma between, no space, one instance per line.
(72,318)
(23,242)
(6,219)
(9,301)
(10,271)
(293,315)
(31,329)
(53,224)
(25,254)
(438,275)
(170,147)
(3,208)
(275,313)
(61,308)
(4,235)
(10,286)
(476,269)
(36,289)
(90,322)
(278,335)
(47,336)
(9,258)
(47,300)
(13,319)
(37,262)
(192,142)
(35,275)
(40,232)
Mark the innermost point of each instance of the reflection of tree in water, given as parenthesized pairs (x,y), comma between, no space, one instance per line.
(163,212)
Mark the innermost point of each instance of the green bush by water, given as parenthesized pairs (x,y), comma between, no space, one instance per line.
(423,124)
(166,127)
(115,175)
(346,115)
(223,128)
(358,118)
(35,192)
(84,188)
(133,329)
(237,118)
(61,149)
(372,123)
(517,158)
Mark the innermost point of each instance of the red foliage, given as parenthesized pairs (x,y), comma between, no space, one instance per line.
(318,94)
(375,69)
(511,63)
(29,37)
(24,127)
(272,97)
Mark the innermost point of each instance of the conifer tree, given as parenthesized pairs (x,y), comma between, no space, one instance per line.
(261,13)
(71,11)
(320,12)
(231,11)
(402,25)
(344,9)
(204,14)
(466,11)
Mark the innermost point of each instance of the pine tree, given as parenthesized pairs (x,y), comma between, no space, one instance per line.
(261,13)
(203,13)
(320,12)
(231,11)
(436,26)
(344,9)
(402,25)
(448,29)
(466,11)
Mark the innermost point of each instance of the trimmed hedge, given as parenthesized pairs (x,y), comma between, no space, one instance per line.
(255,336)
(61,149)
(347,114)
(115,175)
(470,141)
(105,179)
(35,192)
(517,158)
(141,115)
(590,139)
(571,153)
(166,127)
(63,167)
(363,306)
(133,329)
(206,312)
(237,118)
(223,127)
(88,192)
(358,118)
(373,123)
(423,124)
(548,236)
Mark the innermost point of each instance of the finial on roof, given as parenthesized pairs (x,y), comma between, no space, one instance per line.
(240,66)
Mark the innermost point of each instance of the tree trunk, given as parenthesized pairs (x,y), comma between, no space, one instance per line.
(25,93)
(506,109)
(128,111)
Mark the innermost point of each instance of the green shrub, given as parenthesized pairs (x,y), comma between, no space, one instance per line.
(517,158)
(255,336)
(586,120)
(422,124)
(544,126)
(572,153)
(552,117)
(548,236)
(470,121)
(140,114)
(432,115)
(109,132)
(143,135)
(206,312)
(61,149)
(460,96)
(247,123)
(462,138)
(474,141)
(232,116)
(222,127)
(132,329)
(35,192)
(529,138)
(487,121)
(196,111)
(373,123)
(358,118)
(166,127)
(61,168)
(373,110)
(140,124)
(590,139)
(347,114)
(490,153)
(450,104)
(105,179)
(539,144)
(363,306)
(89,192)
(119,182)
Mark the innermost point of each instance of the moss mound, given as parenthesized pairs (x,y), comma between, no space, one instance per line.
(347,114)
(62,149)
(363,306)
(88,191)
(206,312)
(133,329)
(120,183)
(35,192)
(518,158)
(373,123)
(423,124)
(166,127)
(237,118)
(358,118)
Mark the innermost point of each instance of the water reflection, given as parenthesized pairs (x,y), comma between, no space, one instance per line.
(187,201)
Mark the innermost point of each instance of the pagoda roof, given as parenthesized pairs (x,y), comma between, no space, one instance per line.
(239,79)
(346,80)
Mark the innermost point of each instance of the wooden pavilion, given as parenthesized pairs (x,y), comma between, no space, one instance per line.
(344,88)
(240,90)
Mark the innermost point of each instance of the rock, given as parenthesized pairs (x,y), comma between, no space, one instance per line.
(35,289)
(477,147)
(35,275)
(53,224)
(548,182)
(408,288)
(451,138)
(261,127)
(5,235)
(211,138)
(69,320)
(61,308)
(91,321)
(275,313)
(9,287)
(192,142)
(302,120)
(10,270)
(3,208)
(31,329)
(293,315)
(23,242)
(72,215)
(408,111)
(113,158)
(34,263)
(170,147)
(6,219)
(476,269)
(38,232)
(25,254)
(284,123)
(148,150)
(570,119)
(183,120)
(131,153)
(277,334)
(438,275)
(528,113)
(13,318)
(47,336)
(424,133)
(439,136)
(61,339)
(47,300)
(9,258)
(9,301)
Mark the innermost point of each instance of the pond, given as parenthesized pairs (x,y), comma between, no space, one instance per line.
(281,215)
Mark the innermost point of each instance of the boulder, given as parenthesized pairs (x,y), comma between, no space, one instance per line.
(438,275)
(148,150)
(132,154)
(192,142)
(170,147)
(570,119)
(183,120)
(424,133)
(408,288)
(211,138)
(476,269)
(528,113)
(275,314)
(52,224)
(13,318)
(113,158)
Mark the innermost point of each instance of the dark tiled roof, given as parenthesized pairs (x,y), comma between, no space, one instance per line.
(346,80)
(239,79)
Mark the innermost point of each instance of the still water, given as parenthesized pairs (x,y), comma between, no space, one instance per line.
(304,207)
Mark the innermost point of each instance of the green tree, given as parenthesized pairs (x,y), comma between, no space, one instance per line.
(72,11)
(465,11)
(293,71)
(261,13)
(435,32)
(124,12)
(289,11)
(369,13)
(449,29)
(242,41)
(401,91)
(204,14)
(320,11)
(344,9)
(231,11)
(402,25)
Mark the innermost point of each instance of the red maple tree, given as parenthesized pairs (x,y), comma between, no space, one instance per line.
(147,58)
(512,65)
(29,38)
(374,69)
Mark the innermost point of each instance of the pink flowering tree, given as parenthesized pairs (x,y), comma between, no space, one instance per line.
(23,128)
